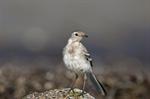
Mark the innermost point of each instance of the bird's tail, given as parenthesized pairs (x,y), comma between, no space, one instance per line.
(99,87)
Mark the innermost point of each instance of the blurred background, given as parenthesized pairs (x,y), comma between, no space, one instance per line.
(34,32)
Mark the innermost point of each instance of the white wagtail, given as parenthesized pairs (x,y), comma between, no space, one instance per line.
(78,60)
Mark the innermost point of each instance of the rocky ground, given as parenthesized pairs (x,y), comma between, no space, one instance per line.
(64,93)
(16,83)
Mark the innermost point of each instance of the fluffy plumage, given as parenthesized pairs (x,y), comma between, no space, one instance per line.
(78,60)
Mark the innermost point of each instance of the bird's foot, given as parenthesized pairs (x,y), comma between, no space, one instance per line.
(82,93)
(76,92)
(71,90)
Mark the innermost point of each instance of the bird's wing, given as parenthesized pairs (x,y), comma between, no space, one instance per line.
(87,55)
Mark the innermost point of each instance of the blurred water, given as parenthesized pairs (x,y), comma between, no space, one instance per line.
(117,29)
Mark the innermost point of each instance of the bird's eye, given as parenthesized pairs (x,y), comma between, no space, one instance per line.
(76,34)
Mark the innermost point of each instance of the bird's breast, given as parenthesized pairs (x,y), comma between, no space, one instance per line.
(76,63)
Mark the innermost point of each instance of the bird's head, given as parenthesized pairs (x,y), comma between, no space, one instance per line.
(78,36)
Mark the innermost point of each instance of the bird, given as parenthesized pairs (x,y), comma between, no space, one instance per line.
(77,60)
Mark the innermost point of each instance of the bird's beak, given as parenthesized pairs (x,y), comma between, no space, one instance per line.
(85,35)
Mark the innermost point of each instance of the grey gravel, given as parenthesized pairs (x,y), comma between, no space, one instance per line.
(59,94)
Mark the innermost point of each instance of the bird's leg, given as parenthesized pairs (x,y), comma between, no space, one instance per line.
(83,87)
(72,85)
(84,82)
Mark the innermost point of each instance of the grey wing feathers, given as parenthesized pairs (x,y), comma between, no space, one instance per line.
(87,56)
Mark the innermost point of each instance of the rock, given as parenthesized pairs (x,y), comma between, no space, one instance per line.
(60,94)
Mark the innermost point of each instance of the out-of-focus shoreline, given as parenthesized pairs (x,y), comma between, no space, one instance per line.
(16,82)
